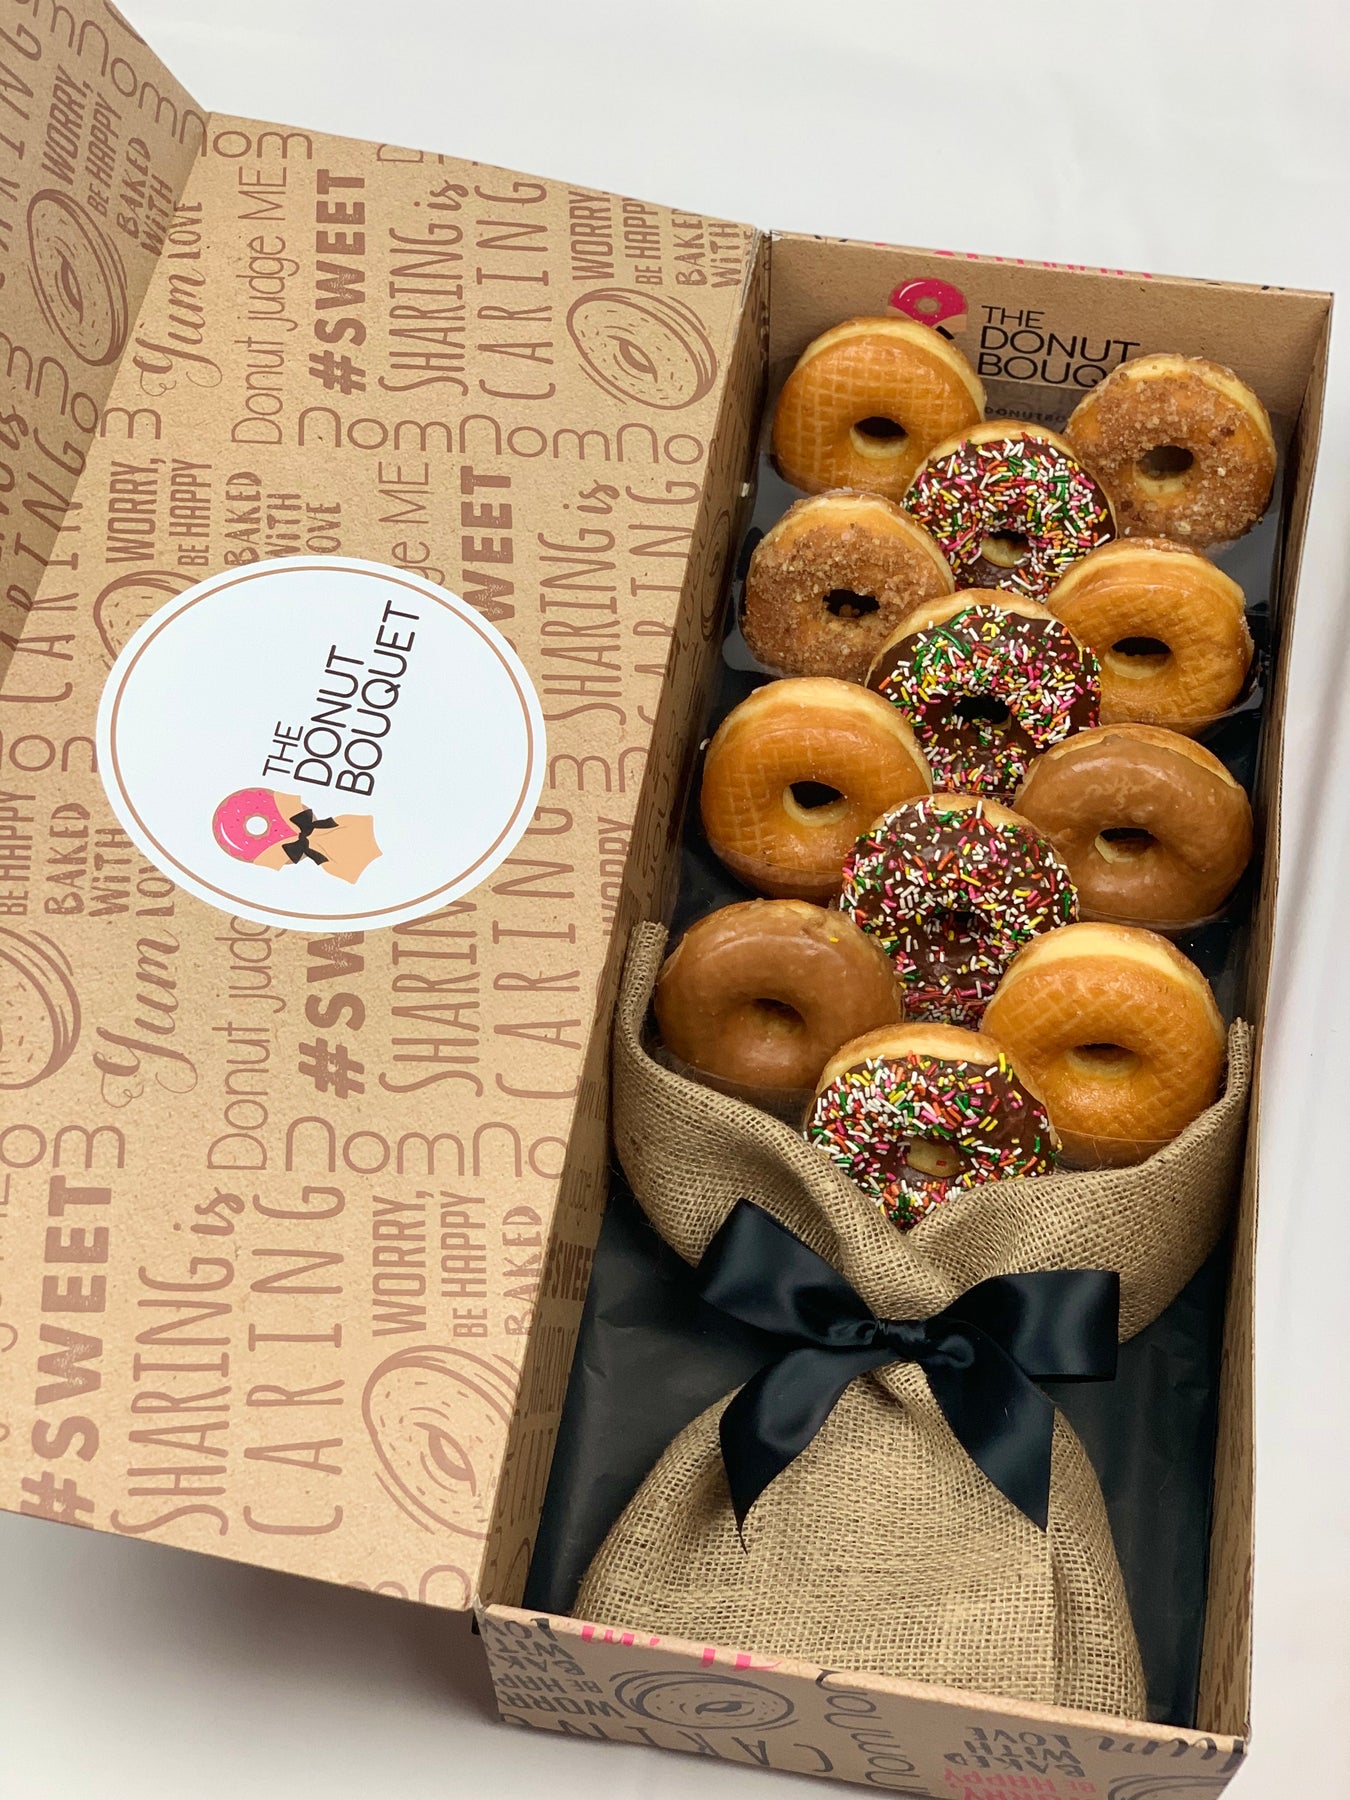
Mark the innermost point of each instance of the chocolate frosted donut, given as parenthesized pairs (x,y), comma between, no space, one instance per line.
(1011,506)
(831,581)
(914,1114)
(951,887)
(988,681)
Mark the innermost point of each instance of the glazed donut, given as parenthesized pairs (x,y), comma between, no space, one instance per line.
(1183,447)
(866,403)
(987,681)
(762,994)
(831,581)
(1152,827)
(951,887)
(804,735)
(1118,1031)
(1011,506)
(916,1113)
(1169,630)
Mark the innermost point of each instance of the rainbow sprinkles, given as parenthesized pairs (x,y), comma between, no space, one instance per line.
(1022,487)
(869,1118)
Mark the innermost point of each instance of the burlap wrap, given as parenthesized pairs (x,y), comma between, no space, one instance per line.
(883,1547)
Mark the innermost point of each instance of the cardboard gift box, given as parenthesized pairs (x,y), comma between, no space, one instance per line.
(295,1224)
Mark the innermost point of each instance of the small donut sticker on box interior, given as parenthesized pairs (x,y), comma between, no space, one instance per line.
(931,301)
(321,741)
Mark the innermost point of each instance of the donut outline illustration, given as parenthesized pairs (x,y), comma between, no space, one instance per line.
(436,1416)
(458,1599)
(117,616)
(1165,1786)
(276,830)
(703,1701)
(434,1582)
(39,1009)
(78,277)
(643,347)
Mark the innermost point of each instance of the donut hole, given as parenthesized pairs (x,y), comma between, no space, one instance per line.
(1106,1062)
(1124,843)
(776,1015)
(934,1159)
(1138,658)
(1006,549)
(814,802)
(845,603)
(957,926)
(1165,462)
(256,825)
(878,436)
(981,709)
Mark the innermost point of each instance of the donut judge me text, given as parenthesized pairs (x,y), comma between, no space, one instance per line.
(341,744)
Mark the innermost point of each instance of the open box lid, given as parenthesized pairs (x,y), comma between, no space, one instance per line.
(276,1199)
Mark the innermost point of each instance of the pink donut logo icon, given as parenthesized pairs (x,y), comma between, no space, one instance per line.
(278,831)
(931,301)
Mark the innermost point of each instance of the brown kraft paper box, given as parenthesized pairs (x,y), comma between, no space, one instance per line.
(1039,337)
(295,1227)
(267,1195)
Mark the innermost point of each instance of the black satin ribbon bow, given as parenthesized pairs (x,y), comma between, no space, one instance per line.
(305,823)
(982,1356)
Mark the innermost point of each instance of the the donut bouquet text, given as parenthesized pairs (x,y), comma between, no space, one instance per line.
(974,807)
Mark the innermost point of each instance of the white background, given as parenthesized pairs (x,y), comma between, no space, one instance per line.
(1202,137)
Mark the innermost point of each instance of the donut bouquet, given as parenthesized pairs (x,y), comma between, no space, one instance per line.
(996,648)
(941,1103)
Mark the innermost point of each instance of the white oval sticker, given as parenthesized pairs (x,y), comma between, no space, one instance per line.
(321,741)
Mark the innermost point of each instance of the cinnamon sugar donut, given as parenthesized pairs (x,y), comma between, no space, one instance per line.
(866,403)
(952,886)
(795,773)
(914,1114)
(987,680)
(1183,447)
(1120,1033)
(1152,827)
(762,994)
(831,581)
(1010,505)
